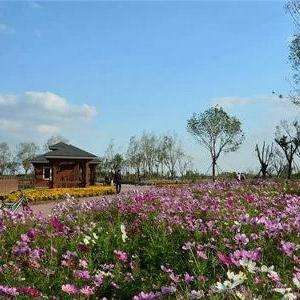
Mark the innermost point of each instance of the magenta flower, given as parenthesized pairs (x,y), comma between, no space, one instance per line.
(30,291)
(224,259)
(121,255)
(57,225)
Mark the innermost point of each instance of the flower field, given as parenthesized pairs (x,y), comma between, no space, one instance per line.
(39,195)
(212,241)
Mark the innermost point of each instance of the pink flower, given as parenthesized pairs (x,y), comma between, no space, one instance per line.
(274,276)
(241,239)
(145,296)
(98,279)
(201,254)
(121,255)
(83,263)
(87,290)
(70,289)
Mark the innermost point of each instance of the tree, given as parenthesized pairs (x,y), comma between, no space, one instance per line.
(135,156)
(54,140)
(217,131)
(278,164)
(293,8)
(26,152)
(12,167)
(184,164)
(118,162)
(265,155)
(5,156)
(173,151)
(148,142)
(287,137)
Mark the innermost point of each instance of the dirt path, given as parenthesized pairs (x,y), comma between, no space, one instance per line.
(45,208)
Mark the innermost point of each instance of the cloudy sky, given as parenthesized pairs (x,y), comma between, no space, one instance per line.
(97,71)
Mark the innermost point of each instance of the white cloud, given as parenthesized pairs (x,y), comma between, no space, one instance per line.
(6,29)
(42,113)
(9,125)
(48,102)
(47,129)
(35,4)
(230,101)
(8,99)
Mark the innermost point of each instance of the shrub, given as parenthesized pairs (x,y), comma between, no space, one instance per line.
(38,195)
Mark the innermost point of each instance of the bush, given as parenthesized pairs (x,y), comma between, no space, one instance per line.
(38,195)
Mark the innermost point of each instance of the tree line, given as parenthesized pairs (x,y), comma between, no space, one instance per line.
(12,160)
(148,156)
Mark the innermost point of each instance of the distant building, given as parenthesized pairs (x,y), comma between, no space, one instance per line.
(65,166)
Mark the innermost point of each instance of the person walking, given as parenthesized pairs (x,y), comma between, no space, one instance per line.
(117,181)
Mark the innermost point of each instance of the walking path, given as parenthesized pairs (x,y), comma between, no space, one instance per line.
(45,208)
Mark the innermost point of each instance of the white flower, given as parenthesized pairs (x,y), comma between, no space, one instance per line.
(123,231)
(240,295)
(196,294)
(296,282)
(86,240)
(266,269)
(249,264)
(286,292)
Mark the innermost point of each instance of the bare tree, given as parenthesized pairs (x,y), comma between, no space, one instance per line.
(184,164)
(217,131)
(278,164)
(54,140)
(5,156)
(288,139)
(173,151)
(26,152)
(265,154)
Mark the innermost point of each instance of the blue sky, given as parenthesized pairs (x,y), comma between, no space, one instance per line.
(96,71)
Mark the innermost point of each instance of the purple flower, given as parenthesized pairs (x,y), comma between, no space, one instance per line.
(8,291)
(288,248)
(188,278)
(82,274)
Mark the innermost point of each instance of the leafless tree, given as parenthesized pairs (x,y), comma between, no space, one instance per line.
(278,164)
(265,154)
(54,140)
(288,139)
(5,157)
(184,163)
(26,151)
